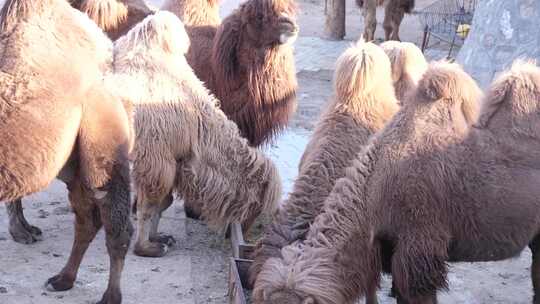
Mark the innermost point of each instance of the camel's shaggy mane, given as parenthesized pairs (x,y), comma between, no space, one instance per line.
(108,14)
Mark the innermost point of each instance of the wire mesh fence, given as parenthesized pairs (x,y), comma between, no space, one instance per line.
(447,20)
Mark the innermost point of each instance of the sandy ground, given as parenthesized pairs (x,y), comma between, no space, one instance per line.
(195,269)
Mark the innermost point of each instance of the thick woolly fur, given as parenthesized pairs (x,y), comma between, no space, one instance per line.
(184,142)
(408,66)
(393,15)
(194,12)
(434,188)
(114,17)
(246,63)
(363,103)
(53,110)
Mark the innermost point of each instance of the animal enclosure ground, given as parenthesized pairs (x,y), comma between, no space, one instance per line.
(195,269)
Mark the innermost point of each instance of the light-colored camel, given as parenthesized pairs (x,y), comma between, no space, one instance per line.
(183,141)
(364,101)
(53,110)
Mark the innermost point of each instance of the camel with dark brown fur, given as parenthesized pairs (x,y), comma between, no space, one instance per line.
(435,189)
(394,12)
(54,108)
(247,64)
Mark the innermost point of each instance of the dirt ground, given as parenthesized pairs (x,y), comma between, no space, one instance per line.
(196,268)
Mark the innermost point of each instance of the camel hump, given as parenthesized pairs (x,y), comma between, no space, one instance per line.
(522,80)
(360,69)
(15,11)
(107,14)
(445,81)
(161,30)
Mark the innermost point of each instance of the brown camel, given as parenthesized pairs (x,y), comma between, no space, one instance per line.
(115,17)
(53,110)
(393,15)
(364,101)
(436,189)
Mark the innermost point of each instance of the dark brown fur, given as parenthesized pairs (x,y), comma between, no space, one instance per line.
(53,108)
(437,190)
(393,15)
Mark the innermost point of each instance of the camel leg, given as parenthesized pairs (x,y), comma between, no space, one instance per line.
(396,23)
(156,217)
(419,267)
(114,211)
(371,296)
(535,268)
(370,20)
(104,171)
(20,230)
(147,211)
(87,224)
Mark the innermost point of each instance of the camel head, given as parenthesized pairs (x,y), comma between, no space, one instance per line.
(269,22)
(271,286)
(514,101)
(266,23)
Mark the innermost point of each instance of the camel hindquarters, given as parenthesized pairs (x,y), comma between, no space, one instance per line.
(99,191)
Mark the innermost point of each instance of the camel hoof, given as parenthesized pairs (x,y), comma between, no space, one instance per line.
(26,235)
(163,239)
(111,298)
(151,250)
(191,213)
(59,283)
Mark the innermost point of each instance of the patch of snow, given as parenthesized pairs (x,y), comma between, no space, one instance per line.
(286,153)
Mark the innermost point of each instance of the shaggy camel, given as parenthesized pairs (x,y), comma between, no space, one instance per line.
(114,17)
(437,190)
(363,103)
(408,66)
(183,141)
(393,15)
(53,109)
(247,64)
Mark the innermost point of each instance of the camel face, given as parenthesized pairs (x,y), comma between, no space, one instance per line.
(270,22)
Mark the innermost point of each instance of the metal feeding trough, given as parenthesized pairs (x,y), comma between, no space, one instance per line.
(239,266)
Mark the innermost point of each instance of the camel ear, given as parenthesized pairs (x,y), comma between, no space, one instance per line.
(224,52)
(492,103)
(309,300)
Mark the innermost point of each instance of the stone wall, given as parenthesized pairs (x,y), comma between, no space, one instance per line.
(502,31)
